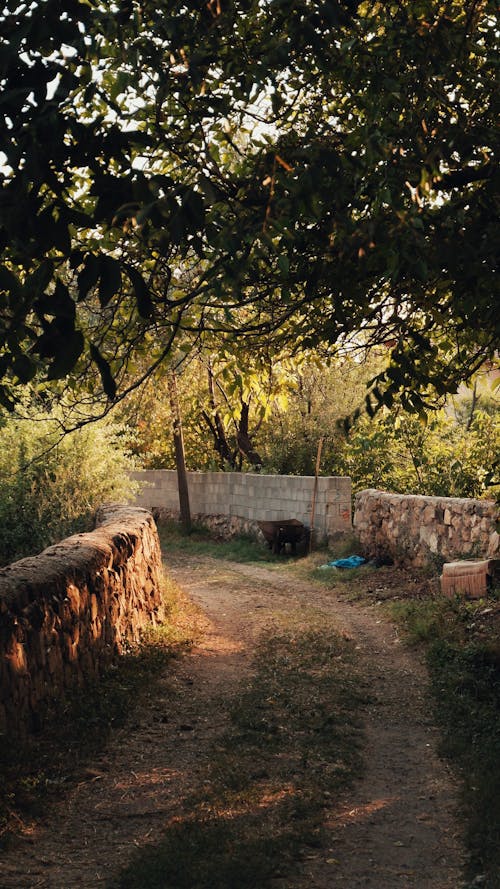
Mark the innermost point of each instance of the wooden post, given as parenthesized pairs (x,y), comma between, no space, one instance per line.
(315,491)
(180,460)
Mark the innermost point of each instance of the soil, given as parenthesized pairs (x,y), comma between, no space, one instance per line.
(396,828)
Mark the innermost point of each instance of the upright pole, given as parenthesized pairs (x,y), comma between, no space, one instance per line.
(180,460)
(315,492)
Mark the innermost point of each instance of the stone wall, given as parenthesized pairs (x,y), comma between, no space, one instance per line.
(418,531)
(251,497)
(68,612)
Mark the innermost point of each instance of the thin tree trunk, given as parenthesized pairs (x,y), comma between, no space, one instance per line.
(180,460)
(244,439)
(217,427)
(315,492)
(474,402)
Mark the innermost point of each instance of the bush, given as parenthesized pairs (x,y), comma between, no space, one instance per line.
(444,458)
(50,485)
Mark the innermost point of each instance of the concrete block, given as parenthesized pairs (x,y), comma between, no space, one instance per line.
(472,578)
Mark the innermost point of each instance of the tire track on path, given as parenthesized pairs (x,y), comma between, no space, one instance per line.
(396,828)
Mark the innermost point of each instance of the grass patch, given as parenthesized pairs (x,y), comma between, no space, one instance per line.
(77,729)
(244,548)
(337,578)
(332,578)
(465,679)
(427,620)
(292,746)
(463,653)
(200,542)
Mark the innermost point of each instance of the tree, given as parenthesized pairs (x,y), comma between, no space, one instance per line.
(303,402)
(180,456)
(304,171)
(226,400)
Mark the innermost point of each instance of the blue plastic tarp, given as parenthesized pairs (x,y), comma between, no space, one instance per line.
(349,562)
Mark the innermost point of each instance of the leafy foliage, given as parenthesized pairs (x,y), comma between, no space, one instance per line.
(50,487)
(296,403)
(228,400)
(397,453)
(289,169)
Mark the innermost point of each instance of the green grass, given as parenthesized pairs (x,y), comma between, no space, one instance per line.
(426,620)
(291,747)
(243,547)
(463,654)
(77,728)
(335,577)
(465,680)
(200,542)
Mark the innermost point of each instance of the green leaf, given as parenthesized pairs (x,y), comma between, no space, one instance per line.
(41,277)
(59,303)
(142,293)
(6,400)
(24,368)
(194,209)
(108,382)
(283,264)
(89,276)
(70,349)
(8,282)
(110,279)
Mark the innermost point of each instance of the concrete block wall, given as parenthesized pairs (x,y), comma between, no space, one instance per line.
(252,497)
(417,530)
(68,612)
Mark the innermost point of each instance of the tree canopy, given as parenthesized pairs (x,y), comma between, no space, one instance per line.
(307,173)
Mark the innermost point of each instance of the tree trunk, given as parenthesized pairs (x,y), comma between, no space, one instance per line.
(180,461)
(473,406)
(216,426)
(244,438)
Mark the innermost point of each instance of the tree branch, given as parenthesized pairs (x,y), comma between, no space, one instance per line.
(458,178)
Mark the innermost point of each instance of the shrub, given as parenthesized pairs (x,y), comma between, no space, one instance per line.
(444,458)
(50,485)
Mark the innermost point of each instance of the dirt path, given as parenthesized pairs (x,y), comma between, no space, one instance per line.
(395,829)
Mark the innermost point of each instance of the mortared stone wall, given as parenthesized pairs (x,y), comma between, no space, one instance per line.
(418,531)
(68,612)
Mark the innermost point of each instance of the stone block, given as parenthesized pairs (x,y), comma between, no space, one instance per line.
(493,544)
(428,535)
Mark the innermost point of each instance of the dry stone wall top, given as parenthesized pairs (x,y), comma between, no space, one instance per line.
(417,530)
(68,612)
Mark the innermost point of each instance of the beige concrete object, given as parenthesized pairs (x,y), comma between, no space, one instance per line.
(468,577)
